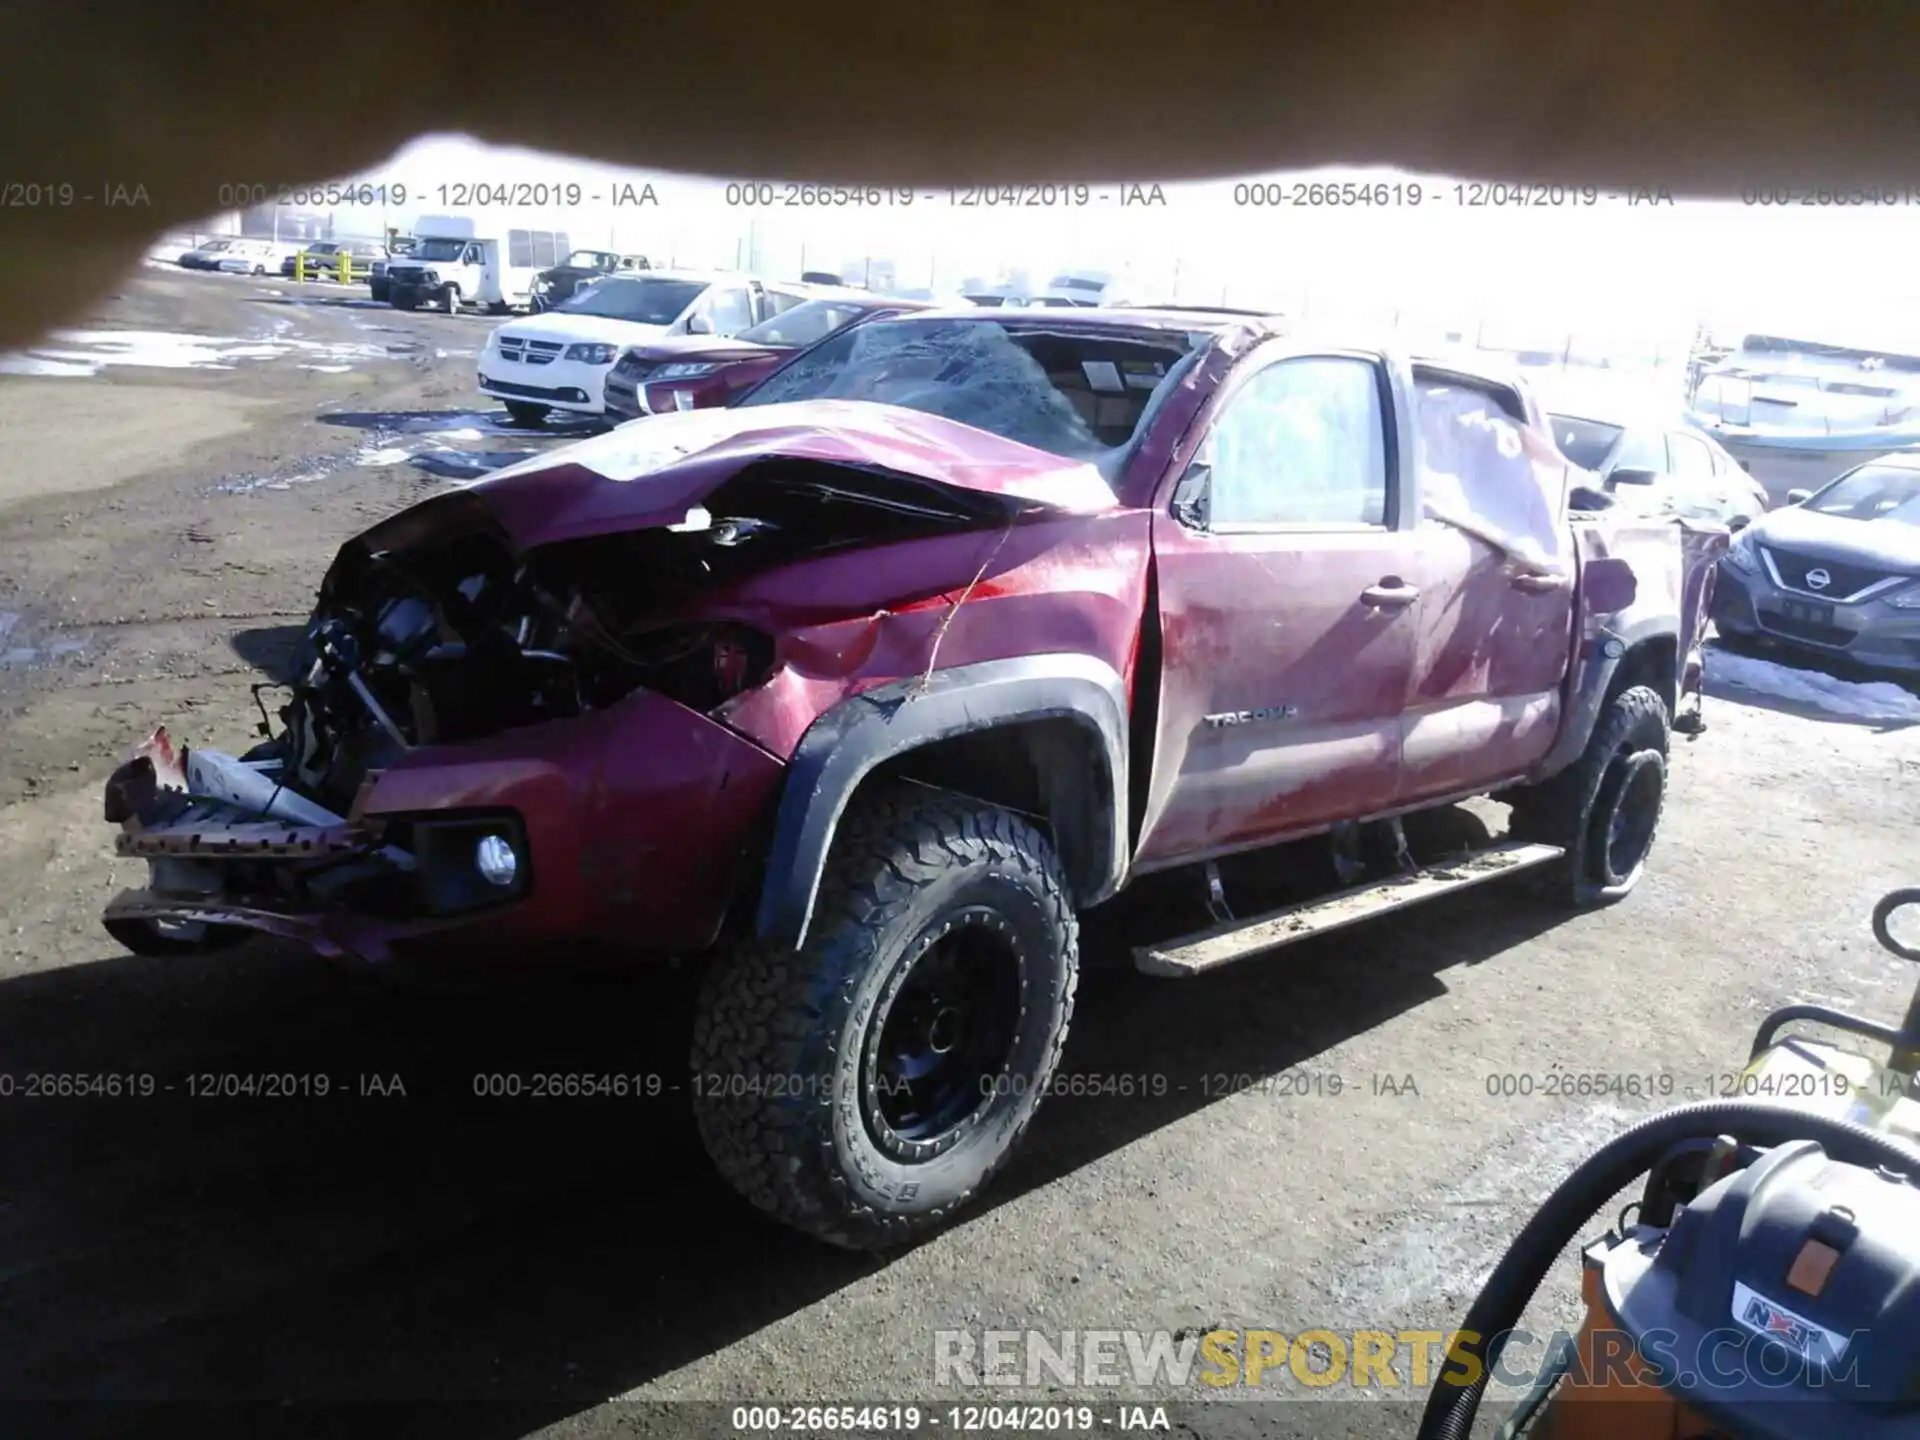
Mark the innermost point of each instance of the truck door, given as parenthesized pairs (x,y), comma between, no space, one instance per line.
(1494,621)
(1284,555)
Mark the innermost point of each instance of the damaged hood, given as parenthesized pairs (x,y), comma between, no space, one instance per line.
(653,471)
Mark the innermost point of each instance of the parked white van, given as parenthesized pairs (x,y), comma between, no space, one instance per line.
(464,270)
(559,359)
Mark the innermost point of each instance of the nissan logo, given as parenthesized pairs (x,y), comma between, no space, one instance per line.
(1818,579)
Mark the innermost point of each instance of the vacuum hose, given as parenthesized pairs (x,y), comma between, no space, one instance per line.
(1451,1408)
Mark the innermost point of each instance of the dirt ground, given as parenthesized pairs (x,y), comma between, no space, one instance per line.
(505,1267)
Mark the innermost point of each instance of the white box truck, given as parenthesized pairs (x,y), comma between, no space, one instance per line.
(455,266)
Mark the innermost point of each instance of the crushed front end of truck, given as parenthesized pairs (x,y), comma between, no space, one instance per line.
(557,705)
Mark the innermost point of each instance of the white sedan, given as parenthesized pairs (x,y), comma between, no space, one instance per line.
(559,359)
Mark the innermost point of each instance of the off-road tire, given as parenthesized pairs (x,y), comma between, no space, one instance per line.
(783,1039)
(1574,809)
(523,413)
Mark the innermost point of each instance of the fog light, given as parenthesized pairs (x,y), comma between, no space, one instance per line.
(493,857)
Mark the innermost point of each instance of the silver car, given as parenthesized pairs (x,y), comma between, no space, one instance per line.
(1837,570)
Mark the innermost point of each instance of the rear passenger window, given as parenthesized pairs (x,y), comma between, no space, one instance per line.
(1482,468)
(1302,443)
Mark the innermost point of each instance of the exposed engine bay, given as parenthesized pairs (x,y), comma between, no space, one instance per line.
(433,629)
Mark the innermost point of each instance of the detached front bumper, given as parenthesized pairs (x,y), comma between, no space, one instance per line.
(634,825)
(1872,632)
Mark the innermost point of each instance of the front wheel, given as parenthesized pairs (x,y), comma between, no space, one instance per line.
(1604,809)
(864,1088)
(453,299)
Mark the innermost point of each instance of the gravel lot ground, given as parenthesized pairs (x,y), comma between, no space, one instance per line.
(507,1267)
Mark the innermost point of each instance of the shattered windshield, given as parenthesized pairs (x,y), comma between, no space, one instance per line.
(1873,492)
(1080,393)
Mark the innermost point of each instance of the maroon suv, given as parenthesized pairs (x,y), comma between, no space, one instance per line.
(697,372)
(860,690)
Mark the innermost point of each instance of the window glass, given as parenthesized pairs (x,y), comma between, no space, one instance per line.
(1302,442)
(1484,471)
(1689,458)
(731,312)
(543,255)
(519,248)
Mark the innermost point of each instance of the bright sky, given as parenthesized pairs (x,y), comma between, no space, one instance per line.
(1632,274)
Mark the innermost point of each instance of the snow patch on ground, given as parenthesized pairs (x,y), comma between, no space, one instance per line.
(88,352)
(389,455)
(1873,700)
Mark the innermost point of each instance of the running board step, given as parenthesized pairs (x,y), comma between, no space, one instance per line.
(1223,944)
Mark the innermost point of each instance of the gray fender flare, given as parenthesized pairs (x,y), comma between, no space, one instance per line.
(1607,653)
(844,745)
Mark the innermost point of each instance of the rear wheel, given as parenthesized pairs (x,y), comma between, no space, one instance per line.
(1604,809)
(523,413)
(864,1088)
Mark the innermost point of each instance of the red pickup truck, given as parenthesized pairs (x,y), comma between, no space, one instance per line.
(864,688)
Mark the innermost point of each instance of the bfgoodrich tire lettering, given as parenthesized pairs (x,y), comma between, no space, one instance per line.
(1604,809)
(787,1044)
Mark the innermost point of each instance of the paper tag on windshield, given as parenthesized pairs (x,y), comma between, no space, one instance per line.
(1104,375)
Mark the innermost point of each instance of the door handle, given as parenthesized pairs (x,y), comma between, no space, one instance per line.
(1536,582)
(1389,594)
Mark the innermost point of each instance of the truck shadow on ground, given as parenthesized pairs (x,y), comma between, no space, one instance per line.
(492,1263)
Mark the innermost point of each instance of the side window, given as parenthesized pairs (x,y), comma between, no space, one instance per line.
(1641,450)
(562,247)
(519,248)
(543,248)
(1302,443)
(1689,459)
(730,311)
(1481,467)
(778,302)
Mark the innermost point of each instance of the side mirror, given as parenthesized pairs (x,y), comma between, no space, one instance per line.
(1608,586)
(1739,523)
(1189,505)
(1746,465)
(699,325)
(1795,497)
(1632,477)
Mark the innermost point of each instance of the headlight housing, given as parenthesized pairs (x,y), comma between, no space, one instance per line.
(592,354)
(1907,599)
(684,370)
(1740,553)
